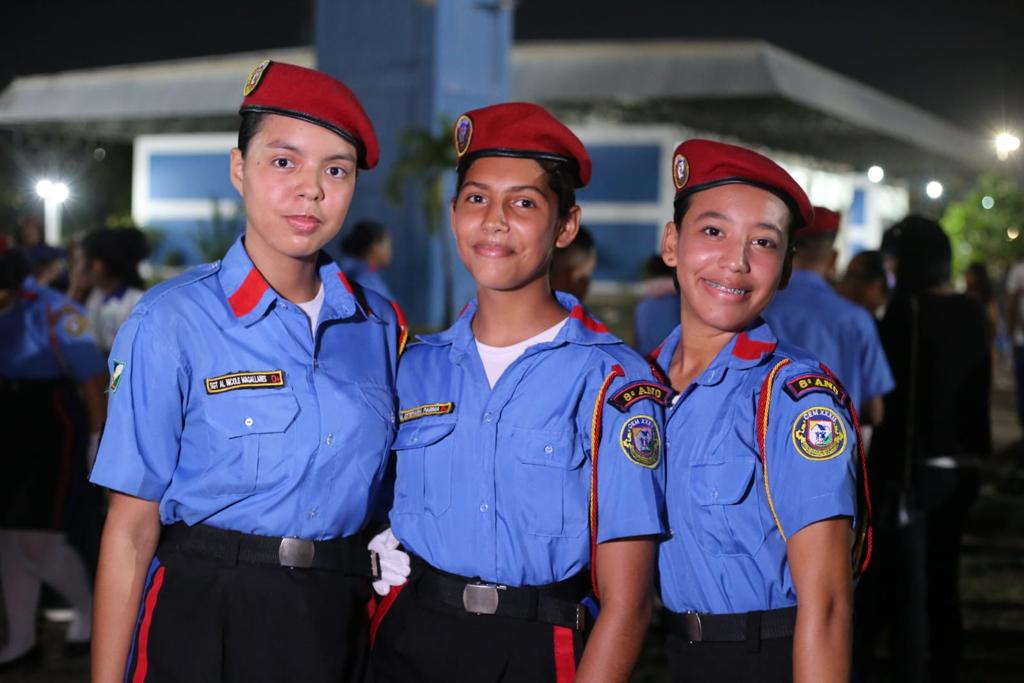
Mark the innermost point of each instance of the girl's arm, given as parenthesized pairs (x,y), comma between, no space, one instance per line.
(625,573)
(819,560)
(130,537)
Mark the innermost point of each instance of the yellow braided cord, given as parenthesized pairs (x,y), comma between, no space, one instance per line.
(762,427)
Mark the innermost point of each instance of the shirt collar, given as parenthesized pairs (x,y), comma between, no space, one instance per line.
(250,296)
(580,328)
(808,278)
(745,350)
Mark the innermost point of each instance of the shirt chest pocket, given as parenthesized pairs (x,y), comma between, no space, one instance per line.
(550,495)
(242,426)
(425,450)
(726,507)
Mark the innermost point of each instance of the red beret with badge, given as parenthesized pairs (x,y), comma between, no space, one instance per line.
(826,222)
(702,164)
(314,97)
(520,129)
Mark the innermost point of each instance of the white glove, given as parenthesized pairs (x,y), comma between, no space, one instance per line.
(394,564)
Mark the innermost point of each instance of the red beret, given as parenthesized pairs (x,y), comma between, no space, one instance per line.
(702,164)
(519,129)
(826,222)
(289,90)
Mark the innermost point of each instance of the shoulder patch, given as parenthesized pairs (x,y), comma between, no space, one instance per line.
(640,440)
(425,410)
(639,391)
(115,375)
(819,434)
(260,379)
(814,382)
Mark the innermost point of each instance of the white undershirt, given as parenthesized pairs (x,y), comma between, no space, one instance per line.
(312,308)
(496,359)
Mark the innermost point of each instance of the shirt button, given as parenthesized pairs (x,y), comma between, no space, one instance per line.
(714,493)
(488,417)
(329,439)
(549,449)
(667,444)
(248,422)
(312,513)
(483,508)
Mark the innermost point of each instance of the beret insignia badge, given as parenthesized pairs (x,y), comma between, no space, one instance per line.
(680,171)
(463,134)
(254,77)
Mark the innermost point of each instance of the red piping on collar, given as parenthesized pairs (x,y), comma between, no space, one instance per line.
(749,349)
(344,281)
(249,294)
(588,322)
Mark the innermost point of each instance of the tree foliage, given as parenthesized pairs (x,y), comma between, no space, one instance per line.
(993,236)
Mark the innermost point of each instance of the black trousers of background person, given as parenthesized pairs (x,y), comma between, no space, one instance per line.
(422,640)
(769,660)
(204,620)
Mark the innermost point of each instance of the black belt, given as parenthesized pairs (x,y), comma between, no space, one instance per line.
(348,555)
(696,627)
(557,603)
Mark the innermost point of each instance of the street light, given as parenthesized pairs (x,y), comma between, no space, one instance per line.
(54,193)
(987,202)
(876,174)
(1006,142)
(933,189)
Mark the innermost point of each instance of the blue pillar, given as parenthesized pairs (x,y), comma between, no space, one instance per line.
(413,62)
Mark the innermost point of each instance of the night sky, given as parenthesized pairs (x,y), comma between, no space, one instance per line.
(961,60)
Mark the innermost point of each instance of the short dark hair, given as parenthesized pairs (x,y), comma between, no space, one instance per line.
(560,177)
(119,250)
(682,204)
(362,236)
(14,268)
(924,252)
(251,123)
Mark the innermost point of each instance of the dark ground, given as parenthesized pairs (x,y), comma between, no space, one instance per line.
(992,579)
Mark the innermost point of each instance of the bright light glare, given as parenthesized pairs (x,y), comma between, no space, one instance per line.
(987,202)
(876,174)
(1005,143)
(1012,233)
(52,191)
(933,189)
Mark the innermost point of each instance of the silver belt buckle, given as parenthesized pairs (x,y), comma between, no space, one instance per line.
(480,598)
(296,552)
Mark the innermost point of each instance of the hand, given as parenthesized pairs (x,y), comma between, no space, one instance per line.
(394,564)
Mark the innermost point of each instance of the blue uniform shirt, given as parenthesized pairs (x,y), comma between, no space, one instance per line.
(655,318)
(45,336)
(225,409)
(495,483)
(359,271)
(725,553)
(810,314)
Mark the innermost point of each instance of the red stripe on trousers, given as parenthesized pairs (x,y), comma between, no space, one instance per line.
(565,655)
(147,619)
(382,609)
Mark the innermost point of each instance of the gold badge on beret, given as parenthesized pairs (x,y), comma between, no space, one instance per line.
(463,134)
(680,171)
(254,77)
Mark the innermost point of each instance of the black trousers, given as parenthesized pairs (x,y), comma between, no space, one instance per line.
(416,639)
(202,620)
(767,661)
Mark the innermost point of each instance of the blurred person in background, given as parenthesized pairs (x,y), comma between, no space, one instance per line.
(925,463)
(366,251)
(106,272)
(978,286)
(657,311)
(810,314)
(52,378)
(865,283)
(46,262)
(572,267)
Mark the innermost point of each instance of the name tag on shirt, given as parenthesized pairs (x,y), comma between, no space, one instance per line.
(259,379)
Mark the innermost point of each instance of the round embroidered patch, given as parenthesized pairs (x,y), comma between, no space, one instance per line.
(254,77)
(680,171)
(819,434)
(640,440)
(75,324)
(463,134)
